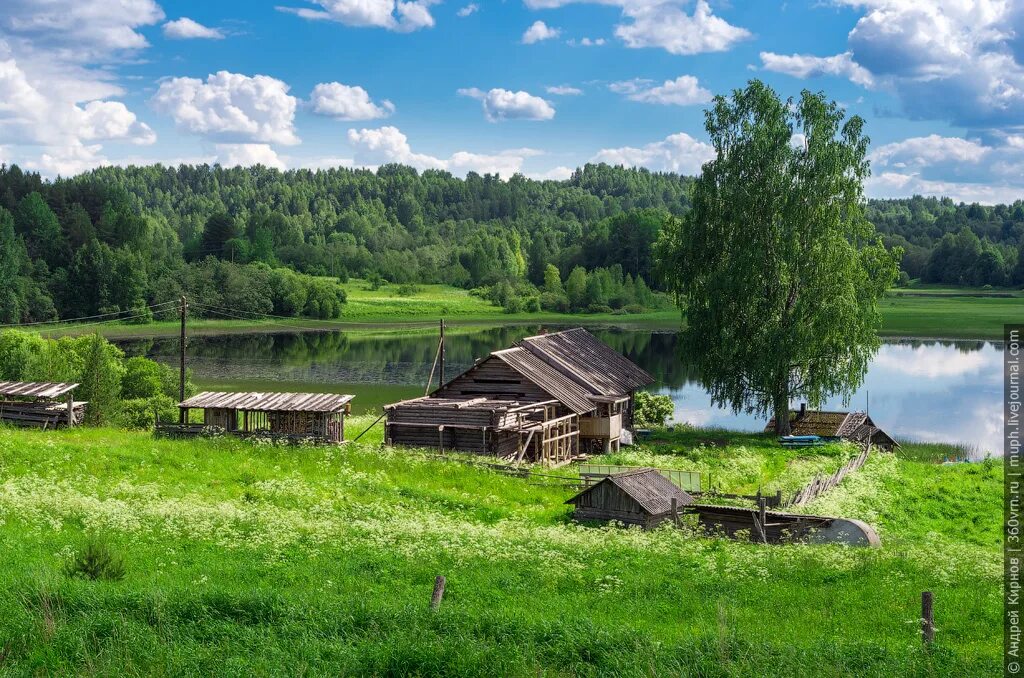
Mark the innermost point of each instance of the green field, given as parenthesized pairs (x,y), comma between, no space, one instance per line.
(253,560)
(919,312)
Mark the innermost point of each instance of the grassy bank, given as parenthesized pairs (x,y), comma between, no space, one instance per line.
(245,560)
(920,312)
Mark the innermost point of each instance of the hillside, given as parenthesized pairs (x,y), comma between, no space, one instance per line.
(245,560)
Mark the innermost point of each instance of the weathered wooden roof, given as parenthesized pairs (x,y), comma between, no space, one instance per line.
(588,361)
(856,426)
(269,402)
(440,402)
(567,391)
(648,487)
(35,389)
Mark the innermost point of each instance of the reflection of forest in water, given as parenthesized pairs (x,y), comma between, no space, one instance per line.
(405,358)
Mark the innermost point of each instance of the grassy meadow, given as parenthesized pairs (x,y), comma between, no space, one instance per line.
(259,560)
(928,312)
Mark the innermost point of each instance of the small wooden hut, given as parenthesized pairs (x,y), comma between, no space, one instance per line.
(295,417)
(641,497)
(40,404)
(556,395)
(855,427)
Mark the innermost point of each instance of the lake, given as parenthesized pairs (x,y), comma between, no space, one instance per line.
(948,391)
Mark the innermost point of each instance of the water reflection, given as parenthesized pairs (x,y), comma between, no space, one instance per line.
(931,391)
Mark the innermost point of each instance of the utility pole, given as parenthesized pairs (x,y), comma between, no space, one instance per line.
(441,382)
(181,382)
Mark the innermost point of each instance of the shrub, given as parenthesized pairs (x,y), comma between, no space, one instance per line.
(408,290)
(96,560)
(652,410)
(634,308)
(556,303)
(599,308)
(141,413)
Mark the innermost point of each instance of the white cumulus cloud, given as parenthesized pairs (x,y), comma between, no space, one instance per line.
(683,91)
(247,155)
(374,147)
(471,8)
(394,15)
(502,104)
(665,24)
(679,153)
(540,31)
(187,29)
(808,66)
(929,150)
(230,107)
(346,102)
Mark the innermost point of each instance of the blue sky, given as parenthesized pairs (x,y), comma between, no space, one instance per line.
(535,86)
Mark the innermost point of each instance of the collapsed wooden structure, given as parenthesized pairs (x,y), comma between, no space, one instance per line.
(42,404)
(546,399)
(291,417)
(642,497)
(855,427)
(775,527)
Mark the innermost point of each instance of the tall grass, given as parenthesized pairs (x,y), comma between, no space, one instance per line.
(248,560)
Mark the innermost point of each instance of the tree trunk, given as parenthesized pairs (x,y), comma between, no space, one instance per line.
(782,427)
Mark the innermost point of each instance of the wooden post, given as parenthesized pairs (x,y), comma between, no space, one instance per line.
(927,618)
(435,599)
(181,376)
(441,378)
(675,511)
(71,408)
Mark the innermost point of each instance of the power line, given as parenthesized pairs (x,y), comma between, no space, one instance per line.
(87,317)
(263,316)
(264,319)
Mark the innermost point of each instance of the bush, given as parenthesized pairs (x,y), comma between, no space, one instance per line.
(408,290)
(96,560)
(142,413)
(634,308)
(532,305)
(599,308)
(651,410)
(555,303)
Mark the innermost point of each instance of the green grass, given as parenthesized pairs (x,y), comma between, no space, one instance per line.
(921,312)
(949,317)
(247,560)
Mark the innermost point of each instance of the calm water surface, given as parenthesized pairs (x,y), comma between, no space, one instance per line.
(920,390)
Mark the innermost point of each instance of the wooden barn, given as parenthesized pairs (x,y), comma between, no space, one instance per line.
(852,426)
(554,395)
(296,417)
(42,404)
(642,497)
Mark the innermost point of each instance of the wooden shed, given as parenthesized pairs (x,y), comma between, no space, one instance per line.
(297,417)
(579,393)
(779,527)
(855,427)
(42,404)
(641,497)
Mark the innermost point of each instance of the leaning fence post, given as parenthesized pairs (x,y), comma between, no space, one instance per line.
(435,600)
(927,618)
(675,511)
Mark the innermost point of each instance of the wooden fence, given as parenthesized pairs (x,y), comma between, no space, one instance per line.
(822,484)
(684,480)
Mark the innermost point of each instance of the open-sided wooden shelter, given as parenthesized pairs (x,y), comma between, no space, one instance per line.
(42,404)
(640,497)
(298,417)
(852,426)
(549,398)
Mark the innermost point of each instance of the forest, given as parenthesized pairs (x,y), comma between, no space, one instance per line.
(127,242)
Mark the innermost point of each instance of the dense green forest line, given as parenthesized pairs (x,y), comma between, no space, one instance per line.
(259,241)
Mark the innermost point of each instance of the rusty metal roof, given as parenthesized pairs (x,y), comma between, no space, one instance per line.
(35,389)
(269,402)
(653,491)
(560,387)
(588,361)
